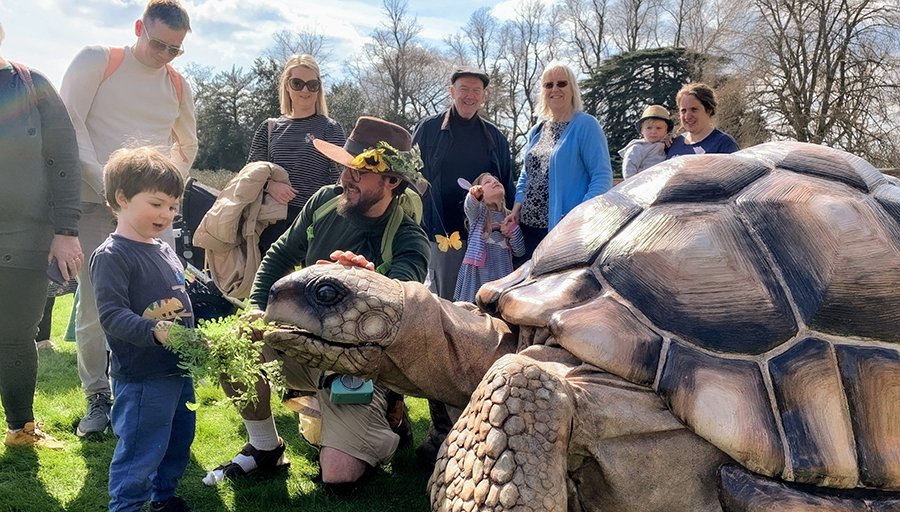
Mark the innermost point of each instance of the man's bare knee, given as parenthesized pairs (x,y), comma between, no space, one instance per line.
(339,467)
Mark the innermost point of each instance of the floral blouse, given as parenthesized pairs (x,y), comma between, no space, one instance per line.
(535,208)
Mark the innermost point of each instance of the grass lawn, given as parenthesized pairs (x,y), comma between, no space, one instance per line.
(76,480)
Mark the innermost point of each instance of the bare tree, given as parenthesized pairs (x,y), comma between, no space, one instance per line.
(715,27)
(478,42)
(586,34)
(427,82)
(825,69)
(306,40)
(527,48)
(398,74)
(633,21)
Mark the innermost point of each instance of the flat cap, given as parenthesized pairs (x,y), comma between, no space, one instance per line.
(469,71)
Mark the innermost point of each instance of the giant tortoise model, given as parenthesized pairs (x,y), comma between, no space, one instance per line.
(719,332)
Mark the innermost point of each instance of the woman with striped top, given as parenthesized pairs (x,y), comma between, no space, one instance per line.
(287,141)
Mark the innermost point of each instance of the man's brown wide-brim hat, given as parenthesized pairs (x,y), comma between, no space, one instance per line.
(366,135)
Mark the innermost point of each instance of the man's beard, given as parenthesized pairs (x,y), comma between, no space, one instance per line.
(366,201)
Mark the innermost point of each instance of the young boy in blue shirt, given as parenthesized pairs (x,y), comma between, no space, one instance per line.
(140,290)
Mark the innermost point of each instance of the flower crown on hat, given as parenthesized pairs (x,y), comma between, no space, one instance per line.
(384,157)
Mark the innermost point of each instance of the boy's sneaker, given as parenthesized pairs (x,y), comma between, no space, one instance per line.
(32,435)
(173,504)
(96,421)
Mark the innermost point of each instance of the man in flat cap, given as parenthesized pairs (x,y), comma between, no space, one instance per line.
(456,144)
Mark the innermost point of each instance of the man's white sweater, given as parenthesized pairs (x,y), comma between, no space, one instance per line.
(136,105)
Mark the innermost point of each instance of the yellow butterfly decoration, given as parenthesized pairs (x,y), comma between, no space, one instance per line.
(446,242)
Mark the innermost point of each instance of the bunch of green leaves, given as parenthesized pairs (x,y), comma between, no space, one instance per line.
(223,349)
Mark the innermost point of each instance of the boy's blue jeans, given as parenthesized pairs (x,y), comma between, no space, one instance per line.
(155,430)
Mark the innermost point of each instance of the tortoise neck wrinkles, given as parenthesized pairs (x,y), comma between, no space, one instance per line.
(459,347)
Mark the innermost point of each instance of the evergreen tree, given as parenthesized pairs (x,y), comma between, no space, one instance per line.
(622,86)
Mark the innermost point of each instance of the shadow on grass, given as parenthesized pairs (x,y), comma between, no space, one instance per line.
(24,492)
(77,480)
(96,452)
(398,486)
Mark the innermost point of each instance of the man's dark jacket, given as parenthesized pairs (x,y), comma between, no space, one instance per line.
(434,137)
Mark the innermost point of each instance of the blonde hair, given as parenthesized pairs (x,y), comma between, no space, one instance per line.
(136,170)
(543,109)
(307,61)
(2,34)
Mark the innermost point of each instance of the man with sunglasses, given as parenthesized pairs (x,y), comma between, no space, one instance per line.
(456,144)
(114,96)
(348,223)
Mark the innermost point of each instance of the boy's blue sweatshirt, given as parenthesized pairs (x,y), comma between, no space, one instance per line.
(137,285)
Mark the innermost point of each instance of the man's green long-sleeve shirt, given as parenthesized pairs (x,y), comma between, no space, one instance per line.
(410,251)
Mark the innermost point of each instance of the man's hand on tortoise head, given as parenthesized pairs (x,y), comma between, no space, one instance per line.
(349,259)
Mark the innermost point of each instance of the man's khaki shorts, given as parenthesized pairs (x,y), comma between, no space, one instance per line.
(359,430)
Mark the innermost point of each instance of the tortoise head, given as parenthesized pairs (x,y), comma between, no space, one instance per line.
(335,318)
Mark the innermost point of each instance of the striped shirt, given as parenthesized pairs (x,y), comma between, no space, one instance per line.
(289,147)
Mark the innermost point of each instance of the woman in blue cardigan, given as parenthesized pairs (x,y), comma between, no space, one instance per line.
(566,159)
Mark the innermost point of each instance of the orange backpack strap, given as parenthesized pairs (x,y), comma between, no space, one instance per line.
(176,83)
(116,56)
(179,92)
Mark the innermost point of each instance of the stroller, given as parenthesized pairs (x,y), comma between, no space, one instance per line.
(207,301)
(195,202)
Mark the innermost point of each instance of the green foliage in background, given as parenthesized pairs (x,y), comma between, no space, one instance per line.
(620,89)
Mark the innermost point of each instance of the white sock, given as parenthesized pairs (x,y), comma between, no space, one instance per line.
(263,435)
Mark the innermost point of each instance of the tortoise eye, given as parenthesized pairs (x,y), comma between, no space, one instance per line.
(327,294)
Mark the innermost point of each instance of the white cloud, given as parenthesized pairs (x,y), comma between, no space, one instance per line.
(46,34)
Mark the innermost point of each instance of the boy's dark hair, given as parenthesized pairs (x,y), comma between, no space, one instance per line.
(136,170)
(703,93)
(169,12)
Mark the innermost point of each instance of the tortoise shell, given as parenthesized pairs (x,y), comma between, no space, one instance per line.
(758,293)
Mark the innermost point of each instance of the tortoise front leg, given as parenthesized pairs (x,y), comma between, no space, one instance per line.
(508,449)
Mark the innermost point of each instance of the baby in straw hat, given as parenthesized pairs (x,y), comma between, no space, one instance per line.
(649,150)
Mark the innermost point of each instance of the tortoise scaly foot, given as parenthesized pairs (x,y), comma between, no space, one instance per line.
(508,451)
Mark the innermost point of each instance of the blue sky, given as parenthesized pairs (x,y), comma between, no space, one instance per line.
(46,34)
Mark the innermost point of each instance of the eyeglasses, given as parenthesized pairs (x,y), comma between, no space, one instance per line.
(355,174)
(157,46)
(562,84)
(298,85)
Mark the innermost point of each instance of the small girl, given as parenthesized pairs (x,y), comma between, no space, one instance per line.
(488,257)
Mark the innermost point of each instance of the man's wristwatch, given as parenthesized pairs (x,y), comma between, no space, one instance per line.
(66,232)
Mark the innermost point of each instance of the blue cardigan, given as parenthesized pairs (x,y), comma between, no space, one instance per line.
(579,166)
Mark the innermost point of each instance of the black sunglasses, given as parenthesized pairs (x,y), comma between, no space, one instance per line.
(157,46)
(562,84)
(298,84)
